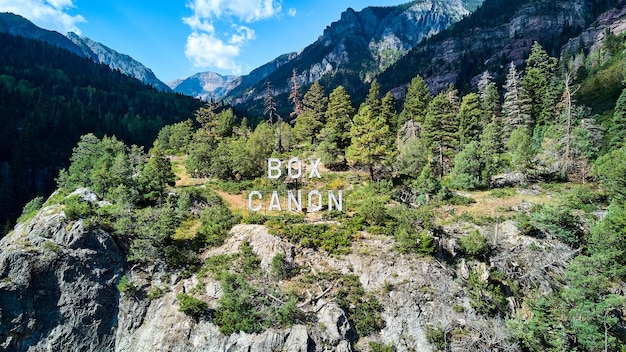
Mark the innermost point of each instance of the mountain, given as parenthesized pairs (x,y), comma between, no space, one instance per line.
(494,35)
(17,25)
(354,49)
(50,96)
(204,85)
(117,61)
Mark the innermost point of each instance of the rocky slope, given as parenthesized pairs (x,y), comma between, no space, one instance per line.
(204,85)
(117,61)
(355,48)
(58,291)
(496,34)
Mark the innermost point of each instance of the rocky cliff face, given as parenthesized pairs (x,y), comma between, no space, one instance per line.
(204,85)
(58,285)
(357,47)
(489,39)
(117,61)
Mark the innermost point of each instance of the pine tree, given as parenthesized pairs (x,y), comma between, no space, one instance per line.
(388,111)
(617,130)
(372,142)
(514,106)
(335,136)
(470,115)
(373,98)
(466,173)
(311,121)
(536,84)
(519,146)
(416,102)
(441,131)
(491,150)
(270,105)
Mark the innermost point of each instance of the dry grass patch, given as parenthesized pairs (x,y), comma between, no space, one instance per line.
(488,205)
(183,179)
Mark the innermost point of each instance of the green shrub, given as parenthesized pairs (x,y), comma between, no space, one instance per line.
(77,208)
(558,222)
(155,292)
(280,269)
(502,192)
(363,309)
(126,285)
(255,219)
(378,347)
(190,305)
(486,297)
(216,220)
(31,208)
(475,244)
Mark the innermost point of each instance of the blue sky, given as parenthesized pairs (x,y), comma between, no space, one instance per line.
(177,38)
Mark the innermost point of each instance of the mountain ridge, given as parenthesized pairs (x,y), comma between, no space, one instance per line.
(17,25)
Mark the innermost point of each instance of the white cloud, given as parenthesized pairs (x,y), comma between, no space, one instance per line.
(50,14)
(206,47)
(206,50)
(243,35)
(243,10)
(291,12)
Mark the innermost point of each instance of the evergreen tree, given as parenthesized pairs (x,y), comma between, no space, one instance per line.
(536,84)
(372,142)
(311,121)
(441,131)
(335,136)
(155,176)
(617,130)
(388,111)
(489,99)
(270,105)
(514,106)
(373,98)
(520,148)
(416,102)
(470,115)
(491,150)
(466,173)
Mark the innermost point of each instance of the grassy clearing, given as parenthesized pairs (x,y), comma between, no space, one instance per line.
(183,179)
(490,205)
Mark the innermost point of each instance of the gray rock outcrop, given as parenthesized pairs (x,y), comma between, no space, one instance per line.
(58,285)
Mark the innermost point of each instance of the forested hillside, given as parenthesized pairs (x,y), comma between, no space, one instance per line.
(49,97)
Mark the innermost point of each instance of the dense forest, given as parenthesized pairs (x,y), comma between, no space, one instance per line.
(49,97)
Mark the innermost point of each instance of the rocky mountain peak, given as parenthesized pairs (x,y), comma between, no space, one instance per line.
(117,61)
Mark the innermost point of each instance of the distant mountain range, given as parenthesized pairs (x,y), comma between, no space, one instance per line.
(351,51)
(82,46)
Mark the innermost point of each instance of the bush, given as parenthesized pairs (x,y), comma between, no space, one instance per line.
(31,208)
(560,223)
(76,208)
(126,286)
(363,309)
(190,305)
(475,244)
